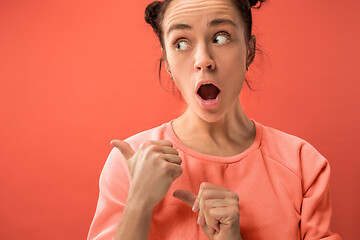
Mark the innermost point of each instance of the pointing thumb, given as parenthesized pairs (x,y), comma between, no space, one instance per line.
(124,148)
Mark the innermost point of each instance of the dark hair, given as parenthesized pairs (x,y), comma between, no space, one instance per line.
(155,11)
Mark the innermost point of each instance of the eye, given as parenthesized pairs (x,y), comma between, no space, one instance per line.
(221,37)
(181,44)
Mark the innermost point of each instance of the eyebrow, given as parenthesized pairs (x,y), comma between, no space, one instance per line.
(212,23)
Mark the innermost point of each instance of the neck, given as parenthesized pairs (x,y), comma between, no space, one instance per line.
(234,126)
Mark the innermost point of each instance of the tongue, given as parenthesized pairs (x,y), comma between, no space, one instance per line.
(208,91)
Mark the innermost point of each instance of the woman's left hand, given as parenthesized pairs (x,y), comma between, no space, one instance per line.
(218,209)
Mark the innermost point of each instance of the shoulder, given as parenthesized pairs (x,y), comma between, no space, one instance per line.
(155,133)
(280,144)
(293,152)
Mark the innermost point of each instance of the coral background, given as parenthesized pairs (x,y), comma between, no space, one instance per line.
(76,74)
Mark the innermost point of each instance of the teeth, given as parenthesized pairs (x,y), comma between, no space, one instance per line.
(205,84)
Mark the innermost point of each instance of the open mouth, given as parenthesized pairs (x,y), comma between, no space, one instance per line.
(208,91)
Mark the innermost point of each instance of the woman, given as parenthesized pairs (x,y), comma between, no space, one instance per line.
(211,173)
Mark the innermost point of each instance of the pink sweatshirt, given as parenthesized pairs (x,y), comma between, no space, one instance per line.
(282,182)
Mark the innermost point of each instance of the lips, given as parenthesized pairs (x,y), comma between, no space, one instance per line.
(207,89)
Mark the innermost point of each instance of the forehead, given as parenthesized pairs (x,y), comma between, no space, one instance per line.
(187,11)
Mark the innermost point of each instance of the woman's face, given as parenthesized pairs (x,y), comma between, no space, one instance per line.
(204,40)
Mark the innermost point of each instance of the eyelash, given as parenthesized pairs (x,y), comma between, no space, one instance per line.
(217,34)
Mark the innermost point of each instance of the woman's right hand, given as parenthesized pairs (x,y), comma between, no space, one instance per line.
(153,168)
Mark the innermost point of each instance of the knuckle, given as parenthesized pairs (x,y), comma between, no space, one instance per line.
(167,169)
(207,204)
(234,218)
(178,159)
(203,185)
(157,155)
(152,147)
(149,143)
(180,170)
(232,201)
(205,194)
(164,166)
(145,152)
(201,205)
(211,211)
(152,153)
(235,206)
(145,146)
(234,211)
(142,145)
(235,196)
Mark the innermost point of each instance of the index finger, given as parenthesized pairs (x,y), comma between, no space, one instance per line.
(206,185)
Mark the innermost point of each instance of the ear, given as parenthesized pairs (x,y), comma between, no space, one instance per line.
(165,61)
(251,50)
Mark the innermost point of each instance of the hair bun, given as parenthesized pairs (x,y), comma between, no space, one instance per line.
(151,13)
(254,2)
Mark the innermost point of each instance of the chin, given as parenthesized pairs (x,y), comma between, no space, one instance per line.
(211,116)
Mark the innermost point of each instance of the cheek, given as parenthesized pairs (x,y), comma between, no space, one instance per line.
(182,75)
(181,69)
(232,62)
(232,66)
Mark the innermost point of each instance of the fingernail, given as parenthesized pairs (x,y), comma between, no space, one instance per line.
(198,220)
(195,208)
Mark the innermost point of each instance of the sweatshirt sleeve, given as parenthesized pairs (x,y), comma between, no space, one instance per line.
(113,190)
(316,207)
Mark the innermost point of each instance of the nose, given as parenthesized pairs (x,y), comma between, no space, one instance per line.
(203,60)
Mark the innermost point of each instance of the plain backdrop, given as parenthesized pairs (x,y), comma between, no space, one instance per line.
(76,74)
